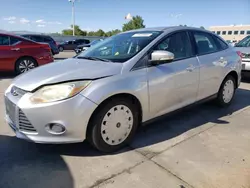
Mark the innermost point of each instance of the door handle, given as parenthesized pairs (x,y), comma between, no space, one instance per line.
(15,49)
(190,68)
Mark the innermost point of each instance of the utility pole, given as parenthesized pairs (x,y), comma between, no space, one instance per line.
(73,15)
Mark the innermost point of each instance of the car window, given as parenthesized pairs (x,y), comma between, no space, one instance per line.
(37,38)
(179,44)
(4,40)
(48,39)
(244,42)
(14,40)
(221,45)
(70,42)
(205,43)
(121,47)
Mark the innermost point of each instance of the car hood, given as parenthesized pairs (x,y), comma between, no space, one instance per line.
(66,70)
(245,50)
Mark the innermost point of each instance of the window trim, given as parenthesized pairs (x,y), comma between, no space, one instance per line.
(161,40)
(212,35)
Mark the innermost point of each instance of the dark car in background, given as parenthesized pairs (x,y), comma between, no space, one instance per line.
(71,45)
(83,47)
(44,39)
(19,54)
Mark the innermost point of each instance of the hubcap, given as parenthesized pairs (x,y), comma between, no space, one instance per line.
(228,91)
(117,125)
(26,65)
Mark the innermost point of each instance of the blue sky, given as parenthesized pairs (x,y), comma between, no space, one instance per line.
(55,15)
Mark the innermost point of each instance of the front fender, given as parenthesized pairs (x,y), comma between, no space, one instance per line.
(134,83)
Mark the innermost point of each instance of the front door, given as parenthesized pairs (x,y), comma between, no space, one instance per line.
(174,85)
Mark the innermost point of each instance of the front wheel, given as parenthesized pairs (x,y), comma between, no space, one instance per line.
(113,125)
(61,49)
(226,92)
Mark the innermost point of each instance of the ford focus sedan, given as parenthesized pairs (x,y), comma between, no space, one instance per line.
(105,93)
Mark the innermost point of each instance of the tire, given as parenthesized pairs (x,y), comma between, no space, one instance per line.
(114,135)
(226,93)
(25,64)
(61,49)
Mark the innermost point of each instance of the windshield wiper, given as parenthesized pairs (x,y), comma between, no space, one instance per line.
(93,58)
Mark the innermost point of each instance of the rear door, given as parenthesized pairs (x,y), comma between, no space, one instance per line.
(9,53)
(212,60)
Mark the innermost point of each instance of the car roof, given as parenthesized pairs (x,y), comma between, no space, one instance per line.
(170,29)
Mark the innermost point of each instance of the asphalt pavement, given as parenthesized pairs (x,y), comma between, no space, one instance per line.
(202,147)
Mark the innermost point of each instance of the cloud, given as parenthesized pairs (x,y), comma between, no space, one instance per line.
(41,25)
(11,18)
(24,21)
(40,21)
(175,15)
(11,22)
(55,23)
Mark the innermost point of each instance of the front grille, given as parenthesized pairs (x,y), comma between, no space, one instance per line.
(24,123)
(10,109)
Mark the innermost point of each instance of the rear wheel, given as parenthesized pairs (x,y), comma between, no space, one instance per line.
(25,64)
(113,125)
(61,49)
(227,91)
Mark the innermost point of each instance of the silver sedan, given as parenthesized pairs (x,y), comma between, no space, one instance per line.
(107,91)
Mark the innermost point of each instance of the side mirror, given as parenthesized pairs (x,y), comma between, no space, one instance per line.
(161,56)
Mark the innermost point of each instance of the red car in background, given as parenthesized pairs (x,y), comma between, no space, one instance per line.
(20,55)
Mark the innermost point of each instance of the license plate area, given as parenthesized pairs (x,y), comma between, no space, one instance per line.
(243,66)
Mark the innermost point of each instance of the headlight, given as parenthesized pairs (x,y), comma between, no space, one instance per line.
(58,92)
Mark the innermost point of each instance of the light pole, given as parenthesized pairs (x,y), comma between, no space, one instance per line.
(73,15)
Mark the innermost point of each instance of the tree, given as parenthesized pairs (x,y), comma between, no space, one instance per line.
(78,31)
(100,33)
(113,32)
(202,27)
(135,23)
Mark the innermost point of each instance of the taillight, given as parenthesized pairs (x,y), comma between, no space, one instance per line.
(239,54)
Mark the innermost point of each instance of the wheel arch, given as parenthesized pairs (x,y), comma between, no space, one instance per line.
(132,97)
(26,56)
(235,76)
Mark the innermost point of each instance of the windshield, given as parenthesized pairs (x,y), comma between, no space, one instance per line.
(95,42)
(244,42)
(121,47)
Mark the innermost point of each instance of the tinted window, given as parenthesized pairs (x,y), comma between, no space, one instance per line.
(242,32)
(230,32)
(37,38)
(236,32)
(248,32)
(224,32)
(14,40)
(205,43)
(221,45)
(244,42)
(178,44)
(218,32)
(4,40)
(70,42)
(48,39)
